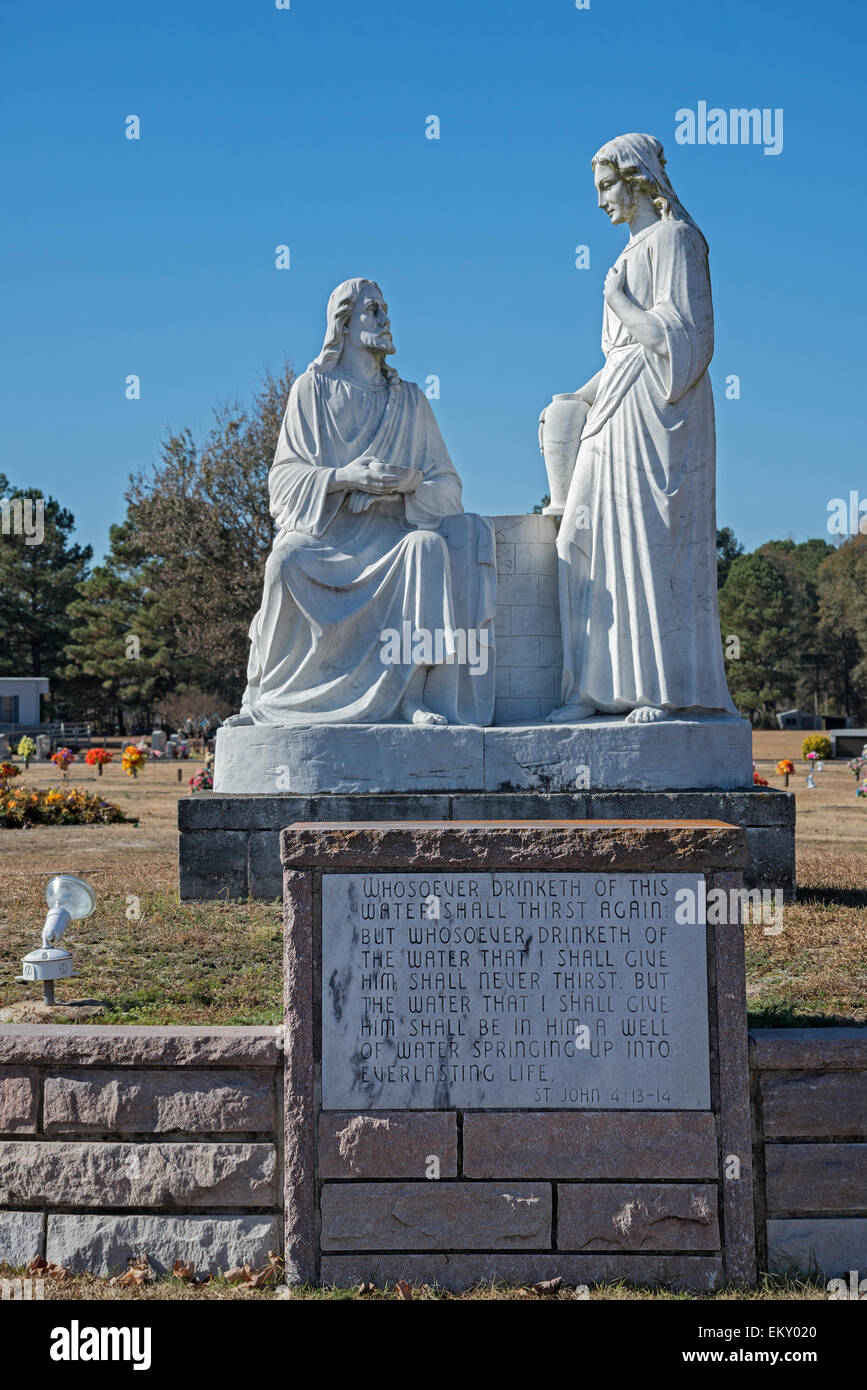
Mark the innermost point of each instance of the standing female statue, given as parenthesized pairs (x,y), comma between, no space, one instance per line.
(637,543)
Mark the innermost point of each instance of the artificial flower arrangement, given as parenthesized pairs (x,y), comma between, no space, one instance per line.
(785,768)
(26,748)
(203,781)
(96,757)
(26,806)
(134,759)
(63,759)
(8,771)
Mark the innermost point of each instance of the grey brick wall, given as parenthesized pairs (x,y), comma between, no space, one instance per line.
(810,1146)
(529,646)
(109,1106)
(116,1142)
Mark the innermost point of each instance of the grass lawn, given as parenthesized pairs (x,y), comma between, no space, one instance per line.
(151,958)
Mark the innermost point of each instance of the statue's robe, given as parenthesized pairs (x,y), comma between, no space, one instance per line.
(637,543)
(337,580)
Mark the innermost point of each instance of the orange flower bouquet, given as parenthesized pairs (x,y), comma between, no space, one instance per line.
(95,757)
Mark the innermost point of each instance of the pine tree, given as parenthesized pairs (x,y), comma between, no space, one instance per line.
(756,607)
(728,548)
(123,656)
(799,564)
(37,583)
(842,587)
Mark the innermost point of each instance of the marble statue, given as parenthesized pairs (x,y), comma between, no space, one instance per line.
(380,591)
(637,541)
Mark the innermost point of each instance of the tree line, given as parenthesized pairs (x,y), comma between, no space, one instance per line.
(159,629)
(799,616)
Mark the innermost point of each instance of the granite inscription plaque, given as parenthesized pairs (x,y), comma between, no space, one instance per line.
(514,990)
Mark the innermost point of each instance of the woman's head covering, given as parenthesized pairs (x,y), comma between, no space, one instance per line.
(641,156)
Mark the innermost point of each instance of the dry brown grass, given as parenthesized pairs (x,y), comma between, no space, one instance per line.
(91,1288)
(178,962)
(815,970)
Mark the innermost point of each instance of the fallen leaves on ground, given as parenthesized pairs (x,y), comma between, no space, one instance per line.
(270,1273)
(139,1272)
(548,1286)
(185,1271)
(43,1269)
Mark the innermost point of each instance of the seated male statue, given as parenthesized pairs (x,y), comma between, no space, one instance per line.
(380,591)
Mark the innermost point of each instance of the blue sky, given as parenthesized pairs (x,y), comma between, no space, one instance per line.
(306,127)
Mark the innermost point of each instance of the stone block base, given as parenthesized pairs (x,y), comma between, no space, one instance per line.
(22,1237)
(829,1246)
(229,845)
(103,1244)
(605,754)
(697,1273)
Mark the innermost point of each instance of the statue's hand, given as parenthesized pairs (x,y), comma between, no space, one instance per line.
(359,501)
(615,285)
(388,475)
(409,479)
(369,475)
(394,477)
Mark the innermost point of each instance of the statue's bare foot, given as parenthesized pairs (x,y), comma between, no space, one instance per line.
(571,714)
(414,712)
(235,720)
(646,714)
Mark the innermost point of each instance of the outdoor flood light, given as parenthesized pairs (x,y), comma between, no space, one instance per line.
(69,899)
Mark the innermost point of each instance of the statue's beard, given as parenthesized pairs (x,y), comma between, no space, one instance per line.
(378,342)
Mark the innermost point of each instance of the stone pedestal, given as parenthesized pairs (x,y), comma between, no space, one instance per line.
(511,1054)
(229,846)
(605,754)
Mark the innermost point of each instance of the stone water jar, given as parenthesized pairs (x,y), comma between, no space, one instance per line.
(560,436)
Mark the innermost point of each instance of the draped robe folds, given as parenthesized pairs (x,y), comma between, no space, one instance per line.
(638,589)
(336,580)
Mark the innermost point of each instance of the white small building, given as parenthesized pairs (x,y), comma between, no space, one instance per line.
(19,699)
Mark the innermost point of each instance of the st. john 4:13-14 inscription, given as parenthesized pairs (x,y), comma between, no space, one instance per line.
(513,990)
